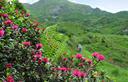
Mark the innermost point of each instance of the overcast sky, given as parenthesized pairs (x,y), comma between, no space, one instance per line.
(28,1)
(108,5)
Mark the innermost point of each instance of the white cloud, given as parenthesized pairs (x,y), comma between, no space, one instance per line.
(28,1)
(22,1)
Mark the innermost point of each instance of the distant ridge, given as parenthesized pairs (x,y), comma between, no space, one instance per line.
(92,19)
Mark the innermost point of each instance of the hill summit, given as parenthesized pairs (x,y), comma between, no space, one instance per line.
(91,19)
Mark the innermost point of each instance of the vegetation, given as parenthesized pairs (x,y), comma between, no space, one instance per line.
(94,29)
(19,38)
(24,59)
(49,52)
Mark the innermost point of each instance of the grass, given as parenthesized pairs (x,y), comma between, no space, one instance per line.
(112,46)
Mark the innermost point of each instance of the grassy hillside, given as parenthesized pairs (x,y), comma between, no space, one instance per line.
(113,46)
(58,45)
(64,38)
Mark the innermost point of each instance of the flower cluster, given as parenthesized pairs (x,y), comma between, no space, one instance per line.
(79,74)
(63,69)
(75,68)
(10,78)
(2,32)
(98,56)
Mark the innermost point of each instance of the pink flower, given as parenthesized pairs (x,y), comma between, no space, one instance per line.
(79,74)
(65,59)
(39,45)
(5,15)
(45,60)
(8,22)
(28,14)
(76,73)
(33,53)
(95,54)
(9,65)
(24,30)
(1,32)
(38,54)
(34,59)
(89,61)
(100,57)
(78,56)
(10,78)
(83,59)
(81,64)
(65,69)
(15,27)
(26,43)
(82,74)
(39,61)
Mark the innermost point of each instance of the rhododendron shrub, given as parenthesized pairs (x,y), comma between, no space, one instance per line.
(78,68)
(19,45)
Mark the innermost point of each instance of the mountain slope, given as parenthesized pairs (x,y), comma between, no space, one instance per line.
(93,20)
(59,8)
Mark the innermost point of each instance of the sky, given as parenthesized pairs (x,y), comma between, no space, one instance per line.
(28,1)
(107,5)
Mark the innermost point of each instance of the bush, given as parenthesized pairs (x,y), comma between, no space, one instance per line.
(20,47)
